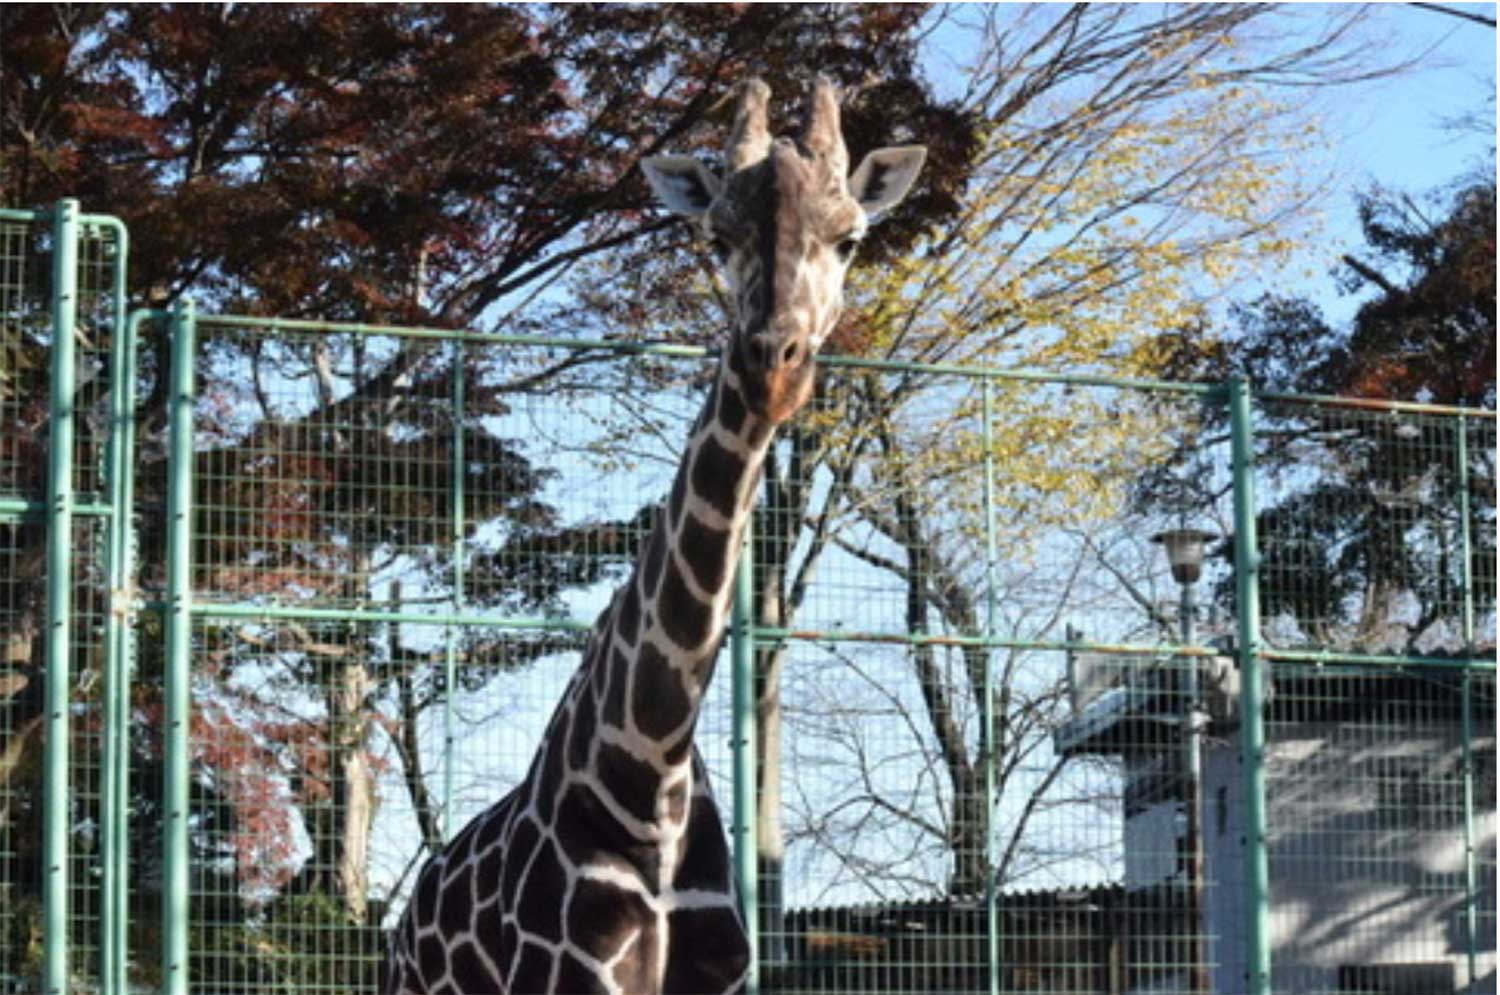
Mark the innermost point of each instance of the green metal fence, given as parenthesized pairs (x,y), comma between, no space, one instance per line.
(283,604)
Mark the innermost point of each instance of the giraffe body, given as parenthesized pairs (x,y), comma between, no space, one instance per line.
(607,869)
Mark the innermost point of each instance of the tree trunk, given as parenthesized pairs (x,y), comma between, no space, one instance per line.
(770,843)
(969,814)
(340,824)
(408,747)
(353,787)
(970,832)
(778,594)
(773,544)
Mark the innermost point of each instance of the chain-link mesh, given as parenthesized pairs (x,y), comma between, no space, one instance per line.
(998,735)
(24,320)
(28,245)
(983,771)
(1378,787)
(1365,549)
(400,542)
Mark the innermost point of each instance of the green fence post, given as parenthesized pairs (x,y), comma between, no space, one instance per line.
(57,804)
(125,649)
(987,709)
(176,666)
(742,653)
(114,846)
(1252,693)
(1466,568)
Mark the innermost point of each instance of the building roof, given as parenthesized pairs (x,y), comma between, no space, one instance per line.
(1145,713)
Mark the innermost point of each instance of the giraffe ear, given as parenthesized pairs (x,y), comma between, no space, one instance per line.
(683,184)
(884,177)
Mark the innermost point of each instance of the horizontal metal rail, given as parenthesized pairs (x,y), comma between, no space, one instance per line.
(1372,659)
(25,508)
(1375,404)
(353,616)
(451,335)
(760,634)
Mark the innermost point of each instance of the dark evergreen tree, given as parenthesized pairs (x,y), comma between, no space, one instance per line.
(1362,538)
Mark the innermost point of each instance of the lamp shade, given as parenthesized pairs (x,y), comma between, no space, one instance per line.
(1185,552)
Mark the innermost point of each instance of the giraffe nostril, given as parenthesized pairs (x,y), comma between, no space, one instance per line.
(760,352)
(772,352)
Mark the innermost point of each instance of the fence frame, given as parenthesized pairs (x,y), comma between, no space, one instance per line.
(69,226)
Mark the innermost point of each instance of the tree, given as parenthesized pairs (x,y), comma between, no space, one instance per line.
(1131,166)
(1366,554)
(435,164)
(315,161)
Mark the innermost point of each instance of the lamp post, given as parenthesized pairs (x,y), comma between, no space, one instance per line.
(1185,550)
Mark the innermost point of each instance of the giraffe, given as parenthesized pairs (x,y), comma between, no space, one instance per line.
(606,869)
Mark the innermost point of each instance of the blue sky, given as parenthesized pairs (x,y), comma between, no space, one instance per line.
(1395,131)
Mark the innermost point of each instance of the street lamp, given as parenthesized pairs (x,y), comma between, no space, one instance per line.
(1185,551)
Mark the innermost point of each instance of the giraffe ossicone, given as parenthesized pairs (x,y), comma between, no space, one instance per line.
(606,869)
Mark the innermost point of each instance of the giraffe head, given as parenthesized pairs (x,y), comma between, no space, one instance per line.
(784,223)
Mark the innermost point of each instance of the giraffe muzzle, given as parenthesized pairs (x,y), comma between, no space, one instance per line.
(769,352)
(779,374)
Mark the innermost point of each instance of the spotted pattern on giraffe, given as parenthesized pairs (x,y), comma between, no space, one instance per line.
(607,868)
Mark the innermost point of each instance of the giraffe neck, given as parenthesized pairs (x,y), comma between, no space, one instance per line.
(635,701)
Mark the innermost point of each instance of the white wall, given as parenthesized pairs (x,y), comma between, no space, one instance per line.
(1365,839)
